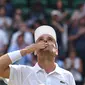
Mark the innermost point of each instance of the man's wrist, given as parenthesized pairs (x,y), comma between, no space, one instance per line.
(30,49)
(16,55)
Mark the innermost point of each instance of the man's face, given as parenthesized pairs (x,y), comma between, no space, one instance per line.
(22,27)
(82,21)
(2,11)
(51,44)
(56,17)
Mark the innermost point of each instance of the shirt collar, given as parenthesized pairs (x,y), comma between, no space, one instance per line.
(57,69)
(37,68)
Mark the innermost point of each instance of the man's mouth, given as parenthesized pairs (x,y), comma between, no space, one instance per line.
(45,49)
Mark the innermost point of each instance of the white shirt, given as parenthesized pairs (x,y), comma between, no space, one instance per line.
(3,39)
(26,75)
(5,19)
(76,74)
(28,37)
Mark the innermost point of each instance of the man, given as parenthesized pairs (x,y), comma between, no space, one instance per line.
(45,72)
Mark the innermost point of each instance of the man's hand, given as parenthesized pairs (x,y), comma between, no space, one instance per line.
(81,31)
(52,49)
(36,46)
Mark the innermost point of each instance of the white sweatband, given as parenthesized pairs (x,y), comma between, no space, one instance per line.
(15,56)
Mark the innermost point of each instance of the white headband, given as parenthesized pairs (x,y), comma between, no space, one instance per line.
(44,30)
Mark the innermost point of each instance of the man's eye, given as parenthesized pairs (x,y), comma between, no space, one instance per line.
(40,39)
(50,39)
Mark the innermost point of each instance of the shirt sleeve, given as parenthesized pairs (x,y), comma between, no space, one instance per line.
(18,73)
(5,39)
(9,21)
(71,80)
(15,75)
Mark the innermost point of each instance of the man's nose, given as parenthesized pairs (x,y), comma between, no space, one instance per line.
(45,40)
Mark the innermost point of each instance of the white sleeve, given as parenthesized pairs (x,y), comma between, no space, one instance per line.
(71,80)
(5,38)
(9,21)
(18,73)
(15,75)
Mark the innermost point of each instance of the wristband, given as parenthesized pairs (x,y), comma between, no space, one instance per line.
(15,56)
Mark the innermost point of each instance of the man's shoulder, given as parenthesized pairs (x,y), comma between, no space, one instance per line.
(17,33)
(21,67)
(65,72)
(20,72)
(67,76)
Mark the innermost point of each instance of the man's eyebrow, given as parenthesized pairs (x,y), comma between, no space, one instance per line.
(50,37)
(40,37)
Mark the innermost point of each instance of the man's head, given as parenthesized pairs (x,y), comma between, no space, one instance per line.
(22,27)
(46,34)
(82,20)
(20,39)
(2,11)
(56,15)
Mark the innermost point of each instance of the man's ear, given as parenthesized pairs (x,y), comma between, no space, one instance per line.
(56,48)
(56,51)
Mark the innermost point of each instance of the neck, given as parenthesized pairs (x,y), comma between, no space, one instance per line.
(47,64)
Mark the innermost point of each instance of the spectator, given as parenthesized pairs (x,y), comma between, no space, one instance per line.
(60,7)
(74,64)
(59,62)
(34,25)
(74,25)
(27,35)
(77,37)
(37,23)
(78,12)
(9,7)
(61,30)
(18,11)
(17,19)
(2,2)
(3,42)
(20,44)
(5,22)
(37,13)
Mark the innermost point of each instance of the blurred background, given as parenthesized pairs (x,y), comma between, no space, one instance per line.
(19,19)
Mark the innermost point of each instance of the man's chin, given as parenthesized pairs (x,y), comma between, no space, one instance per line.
(47,51)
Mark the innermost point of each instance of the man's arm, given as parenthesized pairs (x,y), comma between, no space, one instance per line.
(5,60)
(57,25)
(76,36)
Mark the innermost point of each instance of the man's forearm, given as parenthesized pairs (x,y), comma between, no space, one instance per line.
(61,29)
(12,57)
(5,59)
(57,25)
(74,37)
(9,58)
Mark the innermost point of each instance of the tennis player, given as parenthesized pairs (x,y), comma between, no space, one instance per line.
(46,71)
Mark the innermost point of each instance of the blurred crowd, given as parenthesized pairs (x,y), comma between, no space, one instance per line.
(17,33)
